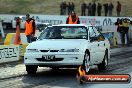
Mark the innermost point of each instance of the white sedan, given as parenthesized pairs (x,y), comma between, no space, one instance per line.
(68,45)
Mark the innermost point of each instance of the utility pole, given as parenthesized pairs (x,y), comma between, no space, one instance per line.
(1,29)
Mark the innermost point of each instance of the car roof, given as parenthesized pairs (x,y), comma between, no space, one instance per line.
(72,25)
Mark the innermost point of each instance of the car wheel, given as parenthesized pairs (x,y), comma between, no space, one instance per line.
(31,69)
(86,62)
(104,64)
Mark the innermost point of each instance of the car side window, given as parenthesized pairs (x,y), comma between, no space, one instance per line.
(95,35)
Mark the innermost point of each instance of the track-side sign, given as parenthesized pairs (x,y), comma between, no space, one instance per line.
(9,53)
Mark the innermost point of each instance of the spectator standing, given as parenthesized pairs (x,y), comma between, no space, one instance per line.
(69,8)
(93,9)
(72,6)
(119,26)
(29,28)
(83,8)
(89,7)
(64,8)
(118,8)
(61,8)
(111,7)
(106,9)
(99,8)
(73,19)
(125,30)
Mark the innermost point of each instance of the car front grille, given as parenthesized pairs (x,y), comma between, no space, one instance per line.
(55,59)
(54,50)
(44,50)
(49,50)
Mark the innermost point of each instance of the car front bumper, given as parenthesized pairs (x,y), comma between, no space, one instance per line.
(60,59)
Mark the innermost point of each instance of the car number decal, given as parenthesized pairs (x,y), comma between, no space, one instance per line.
(48,57)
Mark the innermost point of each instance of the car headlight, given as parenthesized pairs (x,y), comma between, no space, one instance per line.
(32,50)
(69,50)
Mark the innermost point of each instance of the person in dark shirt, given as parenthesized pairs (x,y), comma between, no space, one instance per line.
(118,8)
(83,8)
(106,9)
(93,9)
(69,6)
(61,8)
(72,6)
(99,8)
(64,8)
(89,7)
(111,7)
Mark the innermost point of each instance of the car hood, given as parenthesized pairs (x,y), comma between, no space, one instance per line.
(57,44)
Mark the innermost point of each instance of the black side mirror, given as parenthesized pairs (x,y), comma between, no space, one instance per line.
(33,39)
(93,39)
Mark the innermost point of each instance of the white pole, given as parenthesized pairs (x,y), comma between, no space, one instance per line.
(1,29)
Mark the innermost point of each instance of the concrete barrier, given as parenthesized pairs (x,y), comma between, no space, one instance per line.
(9,39)
(9,53)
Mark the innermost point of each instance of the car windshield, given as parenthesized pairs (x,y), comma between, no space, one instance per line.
(64,32)
(41,27)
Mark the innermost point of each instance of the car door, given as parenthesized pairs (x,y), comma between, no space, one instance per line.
(94,45)
(101,43)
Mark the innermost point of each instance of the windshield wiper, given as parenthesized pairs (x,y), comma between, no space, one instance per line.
(74,38)
(56,38)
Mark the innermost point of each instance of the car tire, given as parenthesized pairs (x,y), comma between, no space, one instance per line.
(31,69)
(87,62)
(104,64)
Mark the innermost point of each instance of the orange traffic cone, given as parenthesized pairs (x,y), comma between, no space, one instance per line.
(17,40)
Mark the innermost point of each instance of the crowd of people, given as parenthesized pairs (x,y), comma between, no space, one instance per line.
(66,8)
(91,8)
